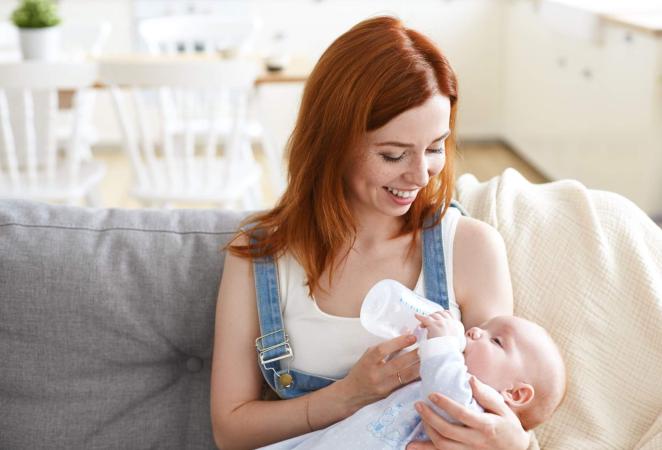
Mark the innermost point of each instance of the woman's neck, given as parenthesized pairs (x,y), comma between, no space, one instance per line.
(375,229)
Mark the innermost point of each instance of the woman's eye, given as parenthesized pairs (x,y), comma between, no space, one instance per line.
(391,158)
(497,341)
(437,150)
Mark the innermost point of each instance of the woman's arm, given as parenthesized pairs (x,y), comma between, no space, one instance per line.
(483,290)
(240,419)
(481,277)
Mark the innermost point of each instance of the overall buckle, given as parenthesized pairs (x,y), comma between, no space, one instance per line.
(259,345)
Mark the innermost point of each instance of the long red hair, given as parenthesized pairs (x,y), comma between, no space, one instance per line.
(368,76)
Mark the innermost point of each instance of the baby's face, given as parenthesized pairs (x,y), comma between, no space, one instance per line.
(503,351)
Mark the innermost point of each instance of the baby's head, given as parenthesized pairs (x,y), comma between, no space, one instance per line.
(520,360)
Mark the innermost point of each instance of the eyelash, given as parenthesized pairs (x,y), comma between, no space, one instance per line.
(387,158)
(497,341)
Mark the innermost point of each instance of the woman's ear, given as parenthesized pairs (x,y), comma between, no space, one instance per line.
(519,395)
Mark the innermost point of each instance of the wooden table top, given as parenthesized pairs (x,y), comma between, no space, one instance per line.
(296,71)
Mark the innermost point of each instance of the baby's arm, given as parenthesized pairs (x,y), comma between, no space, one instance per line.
(442,362)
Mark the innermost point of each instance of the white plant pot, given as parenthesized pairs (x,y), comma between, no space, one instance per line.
(40,43)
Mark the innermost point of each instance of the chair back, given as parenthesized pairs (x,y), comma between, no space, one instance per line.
(173,148)
(30,165)
(84,39)
(199,34)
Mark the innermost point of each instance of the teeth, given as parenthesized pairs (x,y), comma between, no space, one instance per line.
(401,194)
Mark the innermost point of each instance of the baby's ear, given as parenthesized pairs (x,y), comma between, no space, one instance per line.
(519,395)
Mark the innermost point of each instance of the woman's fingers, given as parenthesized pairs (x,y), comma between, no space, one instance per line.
(409,374)
(433,421)
(458,412)
(489,399)
(437,441)
(405,368)
(420,445)
(405,360)
(387,348)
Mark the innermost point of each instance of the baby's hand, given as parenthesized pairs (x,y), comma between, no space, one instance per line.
(441,323)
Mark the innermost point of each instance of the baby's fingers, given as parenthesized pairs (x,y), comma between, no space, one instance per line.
(425,321)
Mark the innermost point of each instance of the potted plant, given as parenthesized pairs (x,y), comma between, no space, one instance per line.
(39,34)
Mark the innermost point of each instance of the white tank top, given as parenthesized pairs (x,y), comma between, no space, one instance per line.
(328,345)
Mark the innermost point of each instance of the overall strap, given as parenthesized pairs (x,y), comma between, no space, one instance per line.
(273,344)
(434,264)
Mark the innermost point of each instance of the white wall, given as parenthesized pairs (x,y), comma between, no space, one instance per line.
(467,30)
(586,106)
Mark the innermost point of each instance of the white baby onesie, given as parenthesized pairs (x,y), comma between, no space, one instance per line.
(393,422)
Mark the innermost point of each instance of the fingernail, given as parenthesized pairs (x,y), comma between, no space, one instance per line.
(418,407)
(434,397)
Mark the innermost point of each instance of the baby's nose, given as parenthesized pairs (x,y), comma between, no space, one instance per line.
(474,333)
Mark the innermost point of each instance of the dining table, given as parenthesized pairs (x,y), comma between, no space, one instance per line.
(292,70)
(295,70)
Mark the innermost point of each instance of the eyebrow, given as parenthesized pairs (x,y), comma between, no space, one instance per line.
(407,145)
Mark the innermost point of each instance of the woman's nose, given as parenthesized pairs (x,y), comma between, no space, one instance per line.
(419,171)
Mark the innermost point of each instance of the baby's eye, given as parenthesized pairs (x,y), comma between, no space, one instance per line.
(497,341)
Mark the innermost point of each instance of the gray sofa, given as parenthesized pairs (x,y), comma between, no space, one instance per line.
(106,326)
(107,316)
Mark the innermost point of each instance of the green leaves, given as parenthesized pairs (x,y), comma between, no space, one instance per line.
(35,14)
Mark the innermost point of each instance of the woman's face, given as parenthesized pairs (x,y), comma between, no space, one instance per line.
(398,159)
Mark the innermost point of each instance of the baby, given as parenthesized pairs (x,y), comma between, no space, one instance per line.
(514,356)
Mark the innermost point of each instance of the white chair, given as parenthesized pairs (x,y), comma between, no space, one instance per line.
(81,41)
(31,165)
(231,36)
(187,165)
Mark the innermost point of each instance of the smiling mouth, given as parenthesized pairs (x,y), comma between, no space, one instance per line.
(402,194)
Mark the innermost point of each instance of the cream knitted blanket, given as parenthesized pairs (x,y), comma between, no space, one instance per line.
(586,265)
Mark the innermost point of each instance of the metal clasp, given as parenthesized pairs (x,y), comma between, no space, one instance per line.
(262,350)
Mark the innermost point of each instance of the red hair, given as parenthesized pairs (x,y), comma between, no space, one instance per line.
(369,75)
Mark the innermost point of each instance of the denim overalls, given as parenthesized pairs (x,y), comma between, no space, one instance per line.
(273,344)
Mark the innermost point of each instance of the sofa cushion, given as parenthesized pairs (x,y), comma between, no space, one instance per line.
(106,325)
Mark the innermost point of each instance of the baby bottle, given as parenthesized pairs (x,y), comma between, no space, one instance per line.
(389,307)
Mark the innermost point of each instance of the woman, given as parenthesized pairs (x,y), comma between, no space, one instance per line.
(370,167)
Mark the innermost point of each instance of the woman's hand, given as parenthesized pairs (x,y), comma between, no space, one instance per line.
(378,373)
(497,428)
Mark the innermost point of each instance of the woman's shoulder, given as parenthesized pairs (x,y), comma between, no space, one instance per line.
(475,234)
(240,239)
(476,245)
